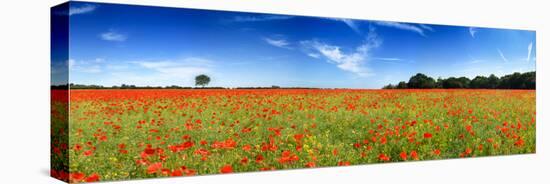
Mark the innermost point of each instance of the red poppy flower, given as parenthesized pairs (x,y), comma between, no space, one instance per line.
(403,155)
(468,151)
(77,147)
(414,155)
(267,169)
(88,153)
(103,138)
(247,147)
(383,140)
(343,163)
(177,172)
(310,164)
(244,160)
(469,128)
(246,130)
(427,135)
(259,158)
(298,137)
(226,169)
(190,172)
(165,171)
(383,157)
(519,142)
(227,144)
(287,156)
(153,168)
(149,151)
(92,178)
(202,152)
(437,151)
(299,147)
(77,176)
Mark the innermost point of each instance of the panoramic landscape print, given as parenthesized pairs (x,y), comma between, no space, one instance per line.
(145,92)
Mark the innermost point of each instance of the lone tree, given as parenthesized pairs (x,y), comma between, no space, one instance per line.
(202,80)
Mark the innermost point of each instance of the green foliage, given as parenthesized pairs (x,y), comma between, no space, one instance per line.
(421,81)
(202,80)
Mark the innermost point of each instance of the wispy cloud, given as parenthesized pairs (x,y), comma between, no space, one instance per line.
(420,29)
(185,68)
(259,18)
(163,72)
(352,61)
(426,27)
(314,55)
(391,60)
(86,8)
(473,31)
(502,55)
(278,42)
(529,49)
(86,66)
(350,23)
(112,35)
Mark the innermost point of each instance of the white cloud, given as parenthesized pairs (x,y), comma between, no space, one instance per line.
(404,26)
(89,66)
(113,36)
(314,55)
(529,49)
(155,64)
(87,8)
(185,68)
(282,43)
(116,66)
(473,31)
(92,69)
(259,18)
(353,61)
(349,22)
(502,55)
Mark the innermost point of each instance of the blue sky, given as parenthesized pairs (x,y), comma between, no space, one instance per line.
(116,44)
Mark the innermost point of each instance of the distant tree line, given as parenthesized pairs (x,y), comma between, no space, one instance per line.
(60,86)
(516,80)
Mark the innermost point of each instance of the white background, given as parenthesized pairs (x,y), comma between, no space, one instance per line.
(24,94)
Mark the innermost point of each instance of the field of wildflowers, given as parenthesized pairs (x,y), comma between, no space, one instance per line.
(129,134)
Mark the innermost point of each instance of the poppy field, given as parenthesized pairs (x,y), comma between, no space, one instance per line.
(130,134)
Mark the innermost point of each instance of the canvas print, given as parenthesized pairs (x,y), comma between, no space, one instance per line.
(145,92)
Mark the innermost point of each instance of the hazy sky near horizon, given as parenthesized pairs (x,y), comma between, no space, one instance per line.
(120,44)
